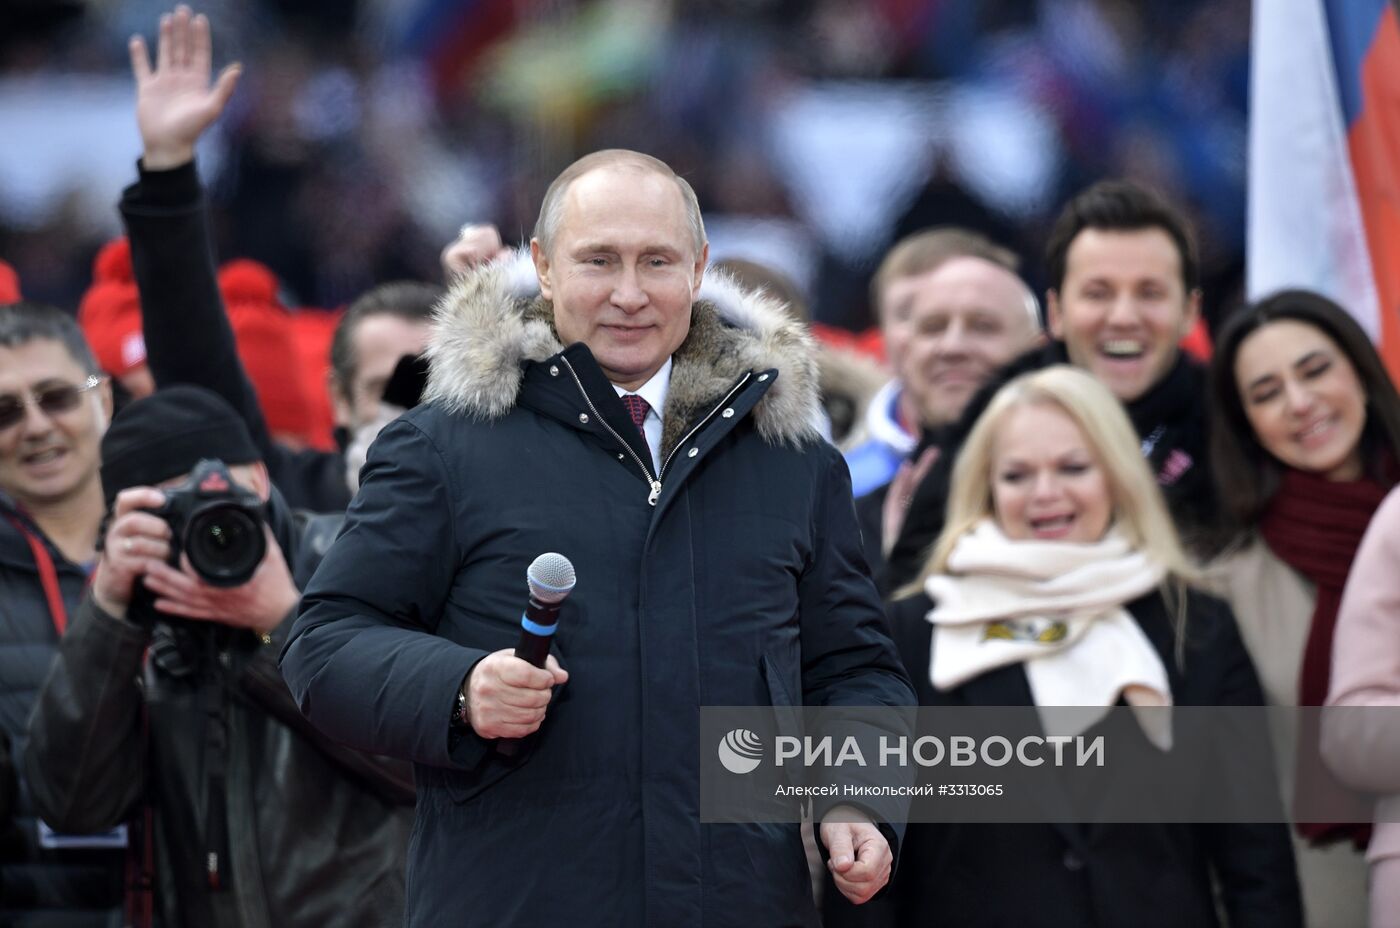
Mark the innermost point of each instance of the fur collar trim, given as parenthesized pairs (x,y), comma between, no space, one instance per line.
(492,320)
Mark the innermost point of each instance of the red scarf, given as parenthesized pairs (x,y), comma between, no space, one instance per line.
(1315,525)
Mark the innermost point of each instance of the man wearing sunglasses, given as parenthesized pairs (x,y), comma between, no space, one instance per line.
(165,707)
(52,398)
(54,408)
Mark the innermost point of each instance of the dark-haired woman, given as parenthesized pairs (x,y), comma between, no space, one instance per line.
(1305,440)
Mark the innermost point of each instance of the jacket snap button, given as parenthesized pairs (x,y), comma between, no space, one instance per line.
(728,414)
(583,417)
(1073,862)
(554,370)
(692,452)
(762,377)
(621,456)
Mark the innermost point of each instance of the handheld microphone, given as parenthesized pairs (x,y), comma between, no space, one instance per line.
(551,579)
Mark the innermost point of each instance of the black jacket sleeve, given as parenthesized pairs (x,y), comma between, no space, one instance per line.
(188,336)
(870,517)
(1254,863)
(848,656)
(371,610)
(85,764)
(8,784)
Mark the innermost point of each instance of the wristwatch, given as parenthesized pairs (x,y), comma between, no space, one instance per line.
(461,718)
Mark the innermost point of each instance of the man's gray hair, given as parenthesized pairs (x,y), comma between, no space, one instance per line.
(552,209)
(23,322)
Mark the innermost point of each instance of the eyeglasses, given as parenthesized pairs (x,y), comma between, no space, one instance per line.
(53,400)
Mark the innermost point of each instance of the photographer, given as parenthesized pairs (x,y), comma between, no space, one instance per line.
(165,706)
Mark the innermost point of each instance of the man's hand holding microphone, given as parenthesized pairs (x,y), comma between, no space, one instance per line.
(507,697)
(507,692)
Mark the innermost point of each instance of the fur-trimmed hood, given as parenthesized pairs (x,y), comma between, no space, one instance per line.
(492,320)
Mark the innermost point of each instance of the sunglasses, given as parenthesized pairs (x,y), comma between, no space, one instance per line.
(53,400)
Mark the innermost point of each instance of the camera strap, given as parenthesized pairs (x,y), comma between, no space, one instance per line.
(213,702)
(48,576)
(138,910)
(138,907)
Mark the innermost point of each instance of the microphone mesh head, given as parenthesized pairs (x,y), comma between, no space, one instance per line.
(551,577)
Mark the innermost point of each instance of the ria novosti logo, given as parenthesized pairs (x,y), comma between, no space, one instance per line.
(740,751)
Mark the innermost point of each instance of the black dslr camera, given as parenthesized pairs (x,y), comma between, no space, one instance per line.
(217,523)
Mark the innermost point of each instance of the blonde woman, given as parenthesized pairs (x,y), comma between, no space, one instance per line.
(1059,580)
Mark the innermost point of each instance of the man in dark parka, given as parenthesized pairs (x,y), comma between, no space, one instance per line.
(718,561)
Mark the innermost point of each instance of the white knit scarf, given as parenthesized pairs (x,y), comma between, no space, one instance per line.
(1058,607)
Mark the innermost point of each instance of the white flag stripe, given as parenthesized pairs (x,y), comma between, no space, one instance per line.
(1304,219)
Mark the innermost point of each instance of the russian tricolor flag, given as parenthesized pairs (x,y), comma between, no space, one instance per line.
(1324,157)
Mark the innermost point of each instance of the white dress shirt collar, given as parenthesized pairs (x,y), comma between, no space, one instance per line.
(654,392)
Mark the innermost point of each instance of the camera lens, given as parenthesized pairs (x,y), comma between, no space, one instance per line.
(225,545)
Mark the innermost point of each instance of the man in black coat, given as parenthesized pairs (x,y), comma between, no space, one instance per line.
(164,707)
(664,441)
(1123,293)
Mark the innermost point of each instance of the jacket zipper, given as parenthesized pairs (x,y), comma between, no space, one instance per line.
(653,481)
(646,471)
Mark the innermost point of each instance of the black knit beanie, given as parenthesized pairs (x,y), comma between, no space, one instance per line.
(167,433)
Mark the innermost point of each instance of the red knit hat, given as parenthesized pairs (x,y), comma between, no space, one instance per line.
(9,285)
(315,328)
(110,312)
(267,347)
(871,342)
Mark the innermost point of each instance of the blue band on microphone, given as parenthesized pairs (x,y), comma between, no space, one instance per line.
(534,628)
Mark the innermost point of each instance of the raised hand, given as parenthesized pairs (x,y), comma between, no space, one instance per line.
(474,246)
(176,102)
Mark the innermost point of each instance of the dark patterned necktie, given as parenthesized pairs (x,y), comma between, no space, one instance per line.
(637,408)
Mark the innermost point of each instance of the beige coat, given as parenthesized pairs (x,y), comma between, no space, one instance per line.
(1273,605)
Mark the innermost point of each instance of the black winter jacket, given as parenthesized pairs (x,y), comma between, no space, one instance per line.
(307,832)
(984,875)
(82,886)
(187,332)
(743,585)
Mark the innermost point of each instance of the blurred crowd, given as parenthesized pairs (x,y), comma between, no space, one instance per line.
(248,416)
(815,134)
